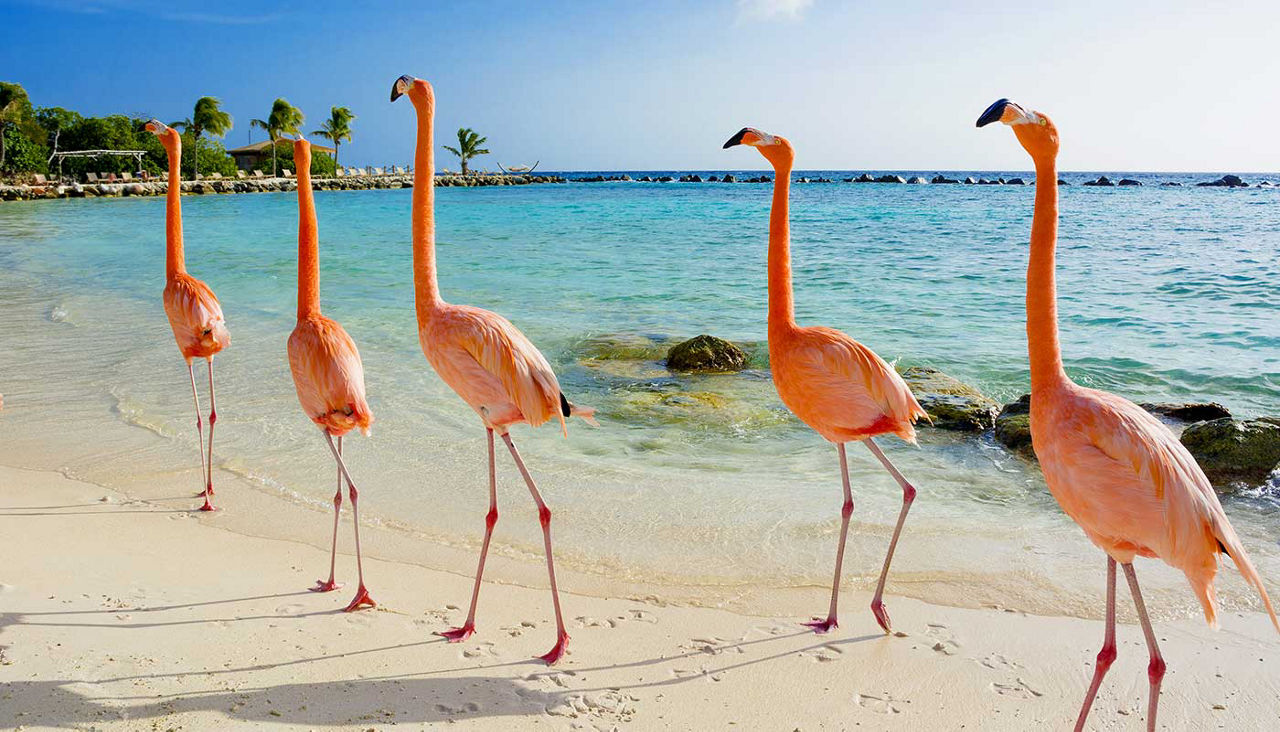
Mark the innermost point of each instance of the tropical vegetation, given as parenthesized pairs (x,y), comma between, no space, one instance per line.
(336,129)
(207,117)
(29,135)
(284,119)
(469,142)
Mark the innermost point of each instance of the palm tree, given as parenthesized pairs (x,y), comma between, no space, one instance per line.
(207,117)
(284,118)
(337,128)
(13,101)
(469,142)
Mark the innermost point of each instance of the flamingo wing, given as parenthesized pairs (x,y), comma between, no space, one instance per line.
(843,389)
(506,354)
(195,316)
(329,376)
(1150,495)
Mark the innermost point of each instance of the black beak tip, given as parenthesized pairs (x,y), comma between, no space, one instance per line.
(736,139)
(993,113)
(395,86)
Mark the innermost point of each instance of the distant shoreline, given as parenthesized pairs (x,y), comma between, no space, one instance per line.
(117,189)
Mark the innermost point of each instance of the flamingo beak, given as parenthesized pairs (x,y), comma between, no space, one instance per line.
(401,87)
(749,136)
(156,127)
(1007,112)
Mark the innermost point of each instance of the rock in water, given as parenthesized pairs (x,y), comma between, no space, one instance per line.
(1231,451)
(951,404)
(706,353)
(1190,412)
(1013,426)
(1130,182)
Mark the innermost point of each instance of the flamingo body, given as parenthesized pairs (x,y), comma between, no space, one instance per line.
(195,316)
(485,359)
(328,376)
(1113,468)
(839,387)
(492,366)
(1132,487)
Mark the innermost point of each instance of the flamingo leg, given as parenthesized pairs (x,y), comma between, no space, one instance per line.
(195,398)
(213,418)
(544,517)
(1107,655)
(362,597)
(846,510)
(1156,668)
(456,635)
(321,585)
(908,497)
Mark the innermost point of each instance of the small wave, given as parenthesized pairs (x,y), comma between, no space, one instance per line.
(131,413)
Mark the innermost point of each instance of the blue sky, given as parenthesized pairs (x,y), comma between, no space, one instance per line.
(660,85)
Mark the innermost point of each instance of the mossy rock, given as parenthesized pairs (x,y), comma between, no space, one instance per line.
(706,353)
(1188,412)
(1013,427)
(1235,451)
(951,403)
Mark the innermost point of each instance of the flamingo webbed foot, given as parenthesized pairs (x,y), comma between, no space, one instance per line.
(882,615)
(326,586)
(822,626)
(362,599)
(557,651)
(459,634)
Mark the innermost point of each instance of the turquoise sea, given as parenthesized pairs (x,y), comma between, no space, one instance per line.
(703,486)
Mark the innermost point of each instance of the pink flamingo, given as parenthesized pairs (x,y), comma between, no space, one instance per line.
(1114,469)
(482,357)
(326,369)
(193,310)
(834,384)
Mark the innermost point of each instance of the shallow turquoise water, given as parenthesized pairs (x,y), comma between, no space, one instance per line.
(1166,294)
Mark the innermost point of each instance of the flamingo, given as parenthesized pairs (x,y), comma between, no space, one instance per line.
(1117,471)
(483,357)
(193,310)
(326,370)
(834,384)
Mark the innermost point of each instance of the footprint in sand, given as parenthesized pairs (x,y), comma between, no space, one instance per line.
(774,629)
(468,708)
(611,705)
(1018,689)
(484,649)
(293,608)
(998,662)
(881,703)
(713,645)
(944,640)
(823,654)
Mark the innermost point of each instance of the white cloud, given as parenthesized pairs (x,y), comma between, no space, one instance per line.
(762,9)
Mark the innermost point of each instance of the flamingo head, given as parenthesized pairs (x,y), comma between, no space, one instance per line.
(774,148)
(168,136)
(418,90)
(1035,131)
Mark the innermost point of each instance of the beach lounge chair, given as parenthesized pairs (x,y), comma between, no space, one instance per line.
(40,179)
(258,174)
(338,173)
(287,173)
(378,171)
(241,175)
(91,177)
(355,172)
(215,176)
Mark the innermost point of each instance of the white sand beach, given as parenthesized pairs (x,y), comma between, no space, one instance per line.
(121,613)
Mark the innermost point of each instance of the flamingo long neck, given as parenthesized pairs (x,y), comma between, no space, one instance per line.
(782,313)
(174,261)
(308,243)
(426,289)
(1042,297)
